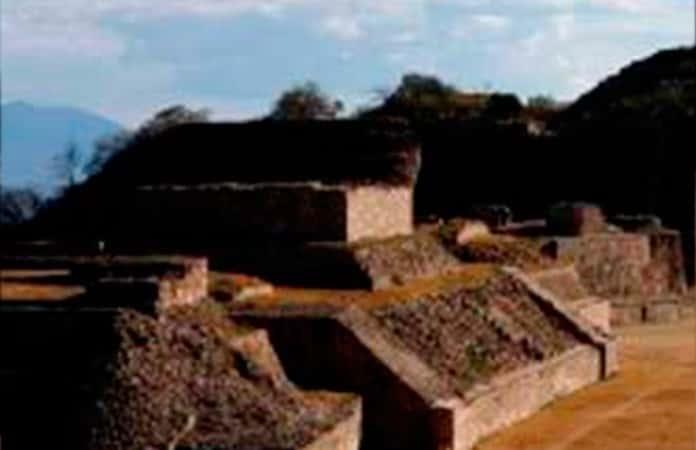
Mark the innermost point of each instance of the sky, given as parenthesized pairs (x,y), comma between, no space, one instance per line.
(127,59)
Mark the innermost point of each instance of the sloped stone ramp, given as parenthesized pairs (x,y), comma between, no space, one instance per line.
(445,369)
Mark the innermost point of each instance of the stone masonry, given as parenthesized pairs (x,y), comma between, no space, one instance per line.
(374,211)
(301,211)
(408,402)
(641,274)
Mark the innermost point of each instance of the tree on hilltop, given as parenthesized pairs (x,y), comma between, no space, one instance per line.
(426,98)
(417,88)
(542,102)
(503,107)
(306,102)
(169,117)
(108,146)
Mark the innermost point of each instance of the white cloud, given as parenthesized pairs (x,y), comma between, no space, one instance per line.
(405,37)
(478,25)
(634,6)
(50,25)
(569,53)
(492,21)
(397,57)
(44,32)
(345,55)
(626,6)
(562,46)
(563,26)
(509,5)
(49,39)
(342,27)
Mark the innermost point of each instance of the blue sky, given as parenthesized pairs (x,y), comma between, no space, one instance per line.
(128,58)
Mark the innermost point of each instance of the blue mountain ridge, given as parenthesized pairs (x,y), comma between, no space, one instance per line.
(32,135)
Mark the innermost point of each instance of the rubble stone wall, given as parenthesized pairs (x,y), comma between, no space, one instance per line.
(596,311)
(637,310)
(642,273)
(141,284)
(409,404)
(303,211)
(320,353)
(610,265)
(666,271)
(379,212)
(514,397)
(614,265)
(187,290)
(344,436)
(566,284)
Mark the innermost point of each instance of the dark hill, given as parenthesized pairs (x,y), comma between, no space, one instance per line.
(661,86)
(332,152)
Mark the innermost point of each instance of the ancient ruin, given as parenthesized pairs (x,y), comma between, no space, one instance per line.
(312,310)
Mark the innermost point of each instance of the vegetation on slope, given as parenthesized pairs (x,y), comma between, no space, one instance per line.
(661,87)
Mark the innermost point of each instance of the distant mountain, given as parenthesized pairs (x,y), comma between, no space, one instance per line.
(32,135)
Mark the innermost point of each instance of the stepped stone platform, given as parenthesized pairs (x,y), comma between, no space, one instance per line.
(188,379)
(145,283)
(641,274)
(443,353)
(635,263)
(303,210)
(442,363)
(379,264)
(368,264)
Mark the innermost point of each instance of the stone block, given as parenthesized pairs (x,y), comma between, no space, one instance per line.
(596,311)
(662,312)
(623,314)
(306,211)
(575,219)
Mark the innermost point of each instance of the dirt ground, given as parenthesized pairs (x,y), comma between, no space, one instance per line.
(650,405)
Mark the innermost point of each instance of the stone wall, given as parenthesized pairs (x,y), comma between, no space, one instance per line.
(514,397)
(408,403)
(597,311)
(625,264)
(642,274)
(229,211)
(296,211)
(185,290)
(666,271)
(76,345)
(344,436)
(610,264)
(379,212)
(320,351)
(636,310)
(140,282)
(374,264)
(143,284)
(566,284)
(398,261)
